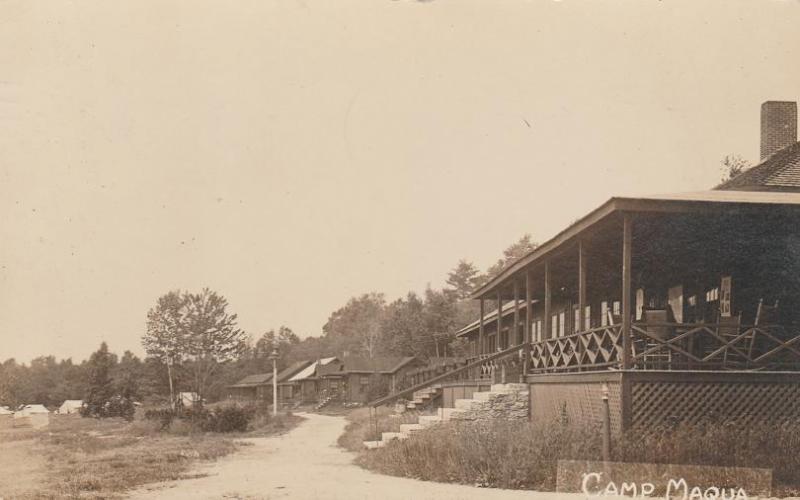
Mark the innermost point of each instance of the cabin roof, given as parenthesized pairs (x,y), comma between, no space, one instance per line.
(778,171)
(700,201)
(260,379)
(357,364)
(310,369)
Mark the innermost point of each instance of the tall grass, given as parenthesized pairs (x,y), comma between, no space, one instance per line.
(523,455)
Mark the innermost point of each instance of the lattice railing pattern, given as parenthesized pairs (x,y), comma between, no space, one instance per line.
(671,346)
(595,348)
(658,403)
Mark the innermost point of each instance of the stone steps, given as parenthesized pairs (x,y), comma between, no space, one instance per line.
(502,401)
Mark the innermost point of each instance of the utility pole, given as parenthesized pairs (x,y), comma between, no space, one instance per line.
(274,358)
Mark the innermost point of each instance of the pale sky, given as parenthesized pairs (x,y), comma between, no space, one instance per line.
(292,154)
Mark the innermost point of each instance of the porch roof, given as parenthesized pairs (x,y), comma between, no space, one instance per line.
(699,202)
(508,310)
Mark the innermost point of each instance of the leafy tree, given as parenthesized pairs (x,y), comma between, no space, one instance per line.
(732,165)
(211,334)
(165,338)
(356,327)
(128,374)
(101,385)
(440,319)
(511,254)
(403,328)
(463,279)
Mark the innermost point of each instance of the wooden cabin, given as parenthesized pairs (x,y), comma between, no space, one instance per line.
(258,387)
(354,379)
(682,307)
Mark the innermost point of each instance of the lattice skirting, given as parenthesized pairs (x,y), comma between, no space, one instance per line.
(658,403)
(576,403)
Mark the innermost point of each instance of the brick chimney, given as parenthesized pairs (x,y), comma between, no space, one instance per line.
(778,126)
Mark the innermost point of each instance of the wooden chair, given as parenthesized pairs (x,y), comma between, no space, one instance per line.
(661,359)
(728,328)
(765,315)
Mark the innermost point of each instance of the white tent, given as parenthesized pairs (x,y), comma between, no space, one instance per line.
(32,410)
(188,398)
(70,406)
(32,415)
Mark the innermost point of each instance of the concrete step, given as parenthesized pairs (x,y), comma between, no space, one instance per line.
(371,445)
(388,436)
(411,428)
(509,387)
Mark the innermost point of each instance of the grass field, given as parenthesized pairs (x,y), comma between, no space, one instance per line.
(524,455)
(86,458)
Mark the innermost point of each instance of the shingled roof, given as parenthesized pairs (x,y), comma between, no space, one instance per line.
(356,364)
(779,172)
(259,379)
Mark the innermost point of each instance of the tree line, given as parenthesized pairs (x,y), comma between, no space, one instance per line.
(193,343)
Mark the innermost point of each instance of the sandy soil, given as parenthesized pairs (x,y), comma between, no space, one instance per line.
(22,467)
(307,464)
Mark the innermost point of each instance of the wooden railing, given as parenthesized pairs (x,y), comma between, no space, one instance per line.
(485,366)
(671,346)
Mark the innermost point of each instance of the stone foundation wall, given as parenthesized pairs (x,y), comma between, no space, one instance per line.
(507,404)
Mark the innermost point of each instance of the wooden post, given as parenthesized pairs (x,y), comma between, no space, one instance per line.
(528,320)
(499,319)
(547,327)
(480,328)
(581,326)
(627,230)
(517,340)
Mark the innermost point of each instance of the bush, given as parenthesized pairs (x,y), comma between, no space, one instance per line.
(199,418)
(116,406)
(524,455)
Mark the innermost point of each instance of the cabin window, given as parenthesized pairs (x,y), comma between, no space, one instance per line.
(577,321)
(604,313)
(725,297)
(691,300)
(554,325)
(616,308)
(712,295)
(587,317)
(538,330)
(562,320)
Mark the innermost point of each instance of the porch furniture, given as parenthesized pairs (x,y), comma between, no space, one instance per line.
(657,326)
(765,316)
(729,331)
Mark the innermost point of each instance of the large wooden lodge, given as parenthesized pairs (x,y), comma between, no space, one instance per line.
(684,307)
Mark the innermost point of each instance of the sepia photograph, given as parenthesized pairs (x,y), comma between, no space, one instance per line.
(399,249)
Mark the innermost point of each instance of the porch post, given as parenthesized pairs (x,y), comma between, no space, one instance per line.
(581,326)
(499,319)
(627,231)
(547,296)
(528,321)
(480,329)
(517,340)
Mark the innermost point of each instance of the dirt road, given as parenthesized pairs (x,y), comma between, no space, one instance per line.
(307,464)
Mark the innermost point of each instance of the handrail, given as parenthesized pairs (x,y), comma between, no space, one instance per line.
(397,395)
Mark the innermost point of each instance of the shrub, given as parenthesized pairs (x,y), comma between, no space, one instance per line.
(199,418)
(116,406)
(164,416)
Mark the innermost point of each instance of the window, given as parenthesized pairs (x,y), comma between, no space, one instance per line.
(554,325)
(587,317)
(538,336)
(604,313)
(577,321)
(562,320)
(617,308)
(712,295)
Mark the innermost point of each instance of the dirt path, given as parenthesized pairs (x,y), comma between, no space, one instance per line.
(307,464)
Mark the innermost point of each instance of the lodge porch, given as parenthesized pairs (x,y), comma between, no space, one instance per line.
(703,283)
